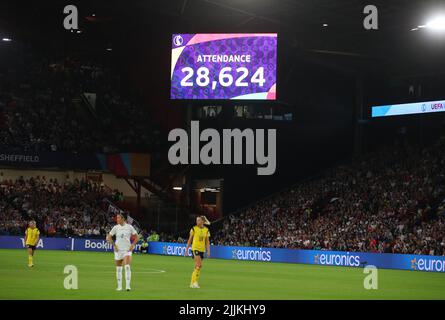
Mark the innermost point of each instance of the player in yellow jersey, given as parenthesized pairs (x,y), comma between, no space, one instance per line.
(200,240)
(31,240)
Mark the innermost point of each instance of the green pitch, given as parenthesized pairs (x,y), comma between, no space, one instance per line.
(162,277)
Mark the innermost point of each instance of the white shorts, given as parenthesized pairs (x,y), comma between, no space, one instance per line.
(121,254)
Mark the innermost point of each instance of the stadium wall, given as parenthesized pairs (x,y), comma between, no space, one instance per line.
(316,257)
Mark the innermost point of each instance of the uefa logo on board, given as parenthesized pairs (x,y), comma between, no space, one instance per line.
(178,40)
(424,107)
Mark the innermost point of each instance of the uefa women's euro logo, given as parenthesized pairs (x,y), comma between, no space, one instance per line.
(178,41)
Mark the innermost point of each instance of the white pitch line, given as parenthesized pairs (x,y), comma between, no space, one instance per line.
(143,272)
(154,271)
(95,265)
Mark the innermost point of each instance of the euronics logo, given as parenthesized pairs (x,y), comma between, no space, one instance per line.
(335,259)
(252,255)
(427,264)
(174,250)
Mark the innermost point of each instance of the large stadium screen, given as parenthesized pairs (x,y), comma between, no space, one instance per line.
(408,108)
(238,66)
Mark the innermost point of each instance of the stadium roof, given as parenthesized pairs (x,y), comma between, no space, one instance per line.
(328,30)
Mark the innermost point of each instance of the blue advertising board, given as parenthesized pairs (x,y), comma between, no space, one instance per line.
(315,257)
(92,245)
(72,244)
(15,242)
(50,159)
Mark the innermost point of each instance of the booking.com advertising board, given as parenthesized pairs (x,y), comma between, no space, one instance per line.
(317,257)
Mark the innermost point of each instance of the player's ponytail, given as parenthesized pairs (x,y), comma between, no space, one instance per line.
(206,221)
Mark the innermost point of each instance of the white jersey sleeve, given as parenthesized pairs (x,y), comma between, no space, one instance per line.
(113,231)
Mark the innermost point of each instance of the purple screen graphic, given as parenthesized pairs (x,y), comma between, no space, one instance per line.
(224,66)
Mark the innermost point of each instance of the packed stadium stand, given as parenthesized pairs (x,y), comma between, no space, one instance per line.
(392,201)
(389,201)
(76,208)
(43,108)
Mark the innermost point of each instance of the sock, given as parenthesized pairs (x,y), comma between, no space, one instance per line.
(127,275)
(198,272)
(193,277)
(30,260)
(119,276)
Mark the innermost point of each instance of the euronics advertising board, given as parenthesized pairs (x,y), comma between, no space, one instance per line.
(317,257)
(328,258)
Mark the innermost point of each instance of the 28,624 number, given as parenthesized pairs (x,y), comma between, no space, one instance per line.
(225,78)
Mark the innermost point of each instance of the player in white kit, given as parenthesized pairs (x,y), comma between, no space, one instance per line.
(123,248)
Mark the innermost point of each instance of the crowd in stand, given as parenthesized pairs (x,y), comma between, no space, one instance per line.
(391,202)
(42,109)
(76,208)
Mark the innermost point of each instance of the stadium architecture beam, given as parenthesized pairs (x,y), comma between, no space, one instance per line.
(358,115)
(136,187)
(248,13)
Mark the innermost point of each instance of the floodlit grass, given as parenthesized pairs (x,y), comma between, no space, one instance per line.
(166,277)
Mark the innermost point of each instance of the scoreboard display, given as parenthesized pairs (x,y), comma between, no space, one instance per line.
(237,66)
